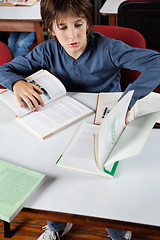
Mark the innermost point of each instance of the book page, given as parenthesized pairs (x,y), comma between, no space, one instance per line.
(133,137)
(55,116)
(52,89)
(8,98)
(26,2)
(16,185)
(50,85)
(105,103)
(110,130)
(148,104)
(17,2)
(8,2)
(79,154)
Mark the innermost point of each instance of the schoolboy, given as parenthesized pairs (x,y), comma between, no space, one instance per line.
(84,62)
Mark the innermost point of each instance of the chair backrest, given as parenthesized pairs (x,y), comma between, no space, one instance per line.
(143,16)
(128,36)
(5,55)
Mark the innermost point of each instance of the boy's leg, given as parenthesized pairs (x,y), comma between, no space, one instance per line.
(13,36)
(23,43)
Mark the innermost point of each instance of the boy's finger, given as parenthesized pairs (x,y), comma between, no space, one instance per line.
(38,99)
(37,88)
(19,100)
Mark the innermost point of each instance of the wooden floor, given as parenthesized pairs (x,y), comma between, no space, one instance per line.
(30,229)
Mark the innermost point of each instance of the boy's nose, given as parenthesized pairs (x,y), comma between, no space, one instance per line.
(72,34)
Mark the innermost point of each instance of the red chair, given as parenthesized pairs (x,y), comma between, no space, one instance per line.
(5,55)
(128,36)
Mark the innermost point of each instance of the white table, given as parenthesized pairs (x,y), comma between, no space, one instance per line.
(110,8)
(131,199)
(22,19)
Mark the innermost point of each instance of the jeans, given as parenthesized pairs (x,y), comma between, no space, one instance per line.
(20,42)
(113,233)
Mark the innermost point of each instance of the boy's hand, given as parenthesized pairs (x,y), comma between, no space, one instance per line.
(28,93)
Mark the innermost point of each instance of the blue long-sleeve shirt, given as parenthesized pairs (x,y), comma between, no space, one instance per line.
(97,69)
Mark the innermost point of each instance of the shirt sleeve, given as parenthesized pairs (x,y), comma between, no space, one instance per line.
(143,60)
(22,66)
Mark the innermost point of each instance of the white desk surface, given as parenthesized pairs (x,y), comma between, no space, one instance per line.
(20,12)
(133,195)
(110,7)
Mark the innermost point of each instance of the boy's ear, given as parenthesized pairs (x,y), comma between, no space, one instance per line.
(87,29)
(51,32)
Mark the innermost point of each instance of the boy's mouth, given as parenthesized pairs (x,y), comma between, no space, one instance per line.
(74,44)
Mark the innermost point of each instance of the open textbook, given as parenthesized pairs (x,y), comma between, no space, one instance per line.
(59,111)
(98,148)
(106,102)
(17,185)
(17,2)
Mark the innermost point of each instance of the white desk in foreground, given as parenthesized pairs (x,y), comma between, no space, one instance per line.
(130,200)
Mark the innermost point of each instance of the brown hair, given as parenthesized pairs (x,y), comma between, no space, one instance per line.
(52,9)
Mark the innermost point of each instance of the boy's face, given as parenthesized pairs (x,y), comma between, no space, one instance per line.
(70,31)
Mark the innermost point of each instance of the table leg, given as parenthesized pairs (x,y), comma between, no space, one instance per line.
(7,231)
(113,20)
(39,32)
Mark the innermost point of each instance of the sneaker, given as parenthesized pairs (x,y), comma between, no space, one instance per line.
(128,235)
(50,235)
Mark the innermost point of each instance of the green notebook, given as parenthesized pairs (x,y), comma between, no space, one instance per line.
(17,184)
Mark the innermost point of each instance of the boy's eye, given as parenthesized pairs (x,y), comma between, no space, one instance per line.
(78,25)
(63,28)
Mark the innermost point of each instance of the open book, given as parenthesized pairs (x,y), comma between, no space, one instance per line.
(17,2)
(107,101)
(17,185)
(97,149)
(59,111)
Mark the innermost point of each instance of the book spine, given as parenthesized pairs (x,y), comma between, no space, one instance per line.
(59,158)
(112,172)
(96,109)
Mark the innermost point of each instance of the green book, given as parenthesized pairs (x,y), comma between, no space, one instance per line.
(17,185)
